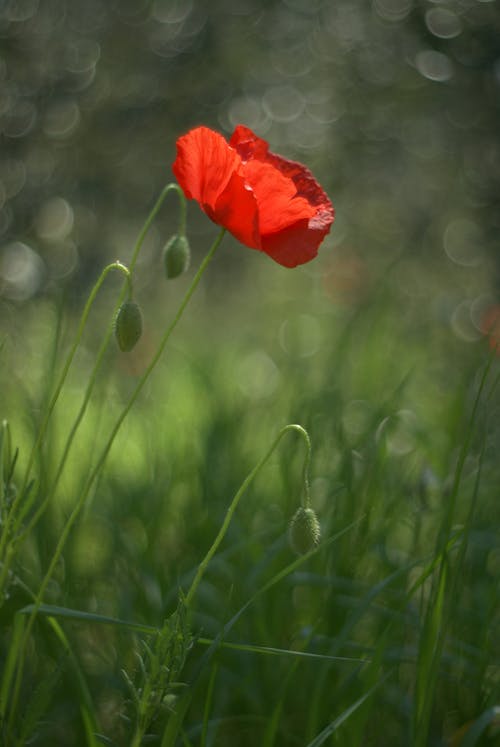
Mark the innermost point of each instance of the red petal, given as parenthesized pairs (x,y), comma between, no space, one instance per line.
(204,165)
(276,195)
(298,243)
(264,200)
(209,171)
(236,210)
(295,213)
(248,144)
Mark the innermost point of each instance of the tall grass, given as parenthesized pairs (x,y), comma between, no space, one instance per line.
(149,589)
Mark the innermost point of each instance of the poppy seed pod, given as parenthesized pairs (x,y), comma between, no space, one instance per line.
(176,256)
(128,326)
(304,531)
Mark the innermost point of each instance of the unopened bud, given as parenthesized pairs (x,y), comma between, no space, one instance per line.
(128,325)
(304,532)
(176,256)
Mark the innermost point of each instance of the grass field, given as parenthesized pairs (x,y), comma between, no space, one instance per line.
(149,500)
(385,634)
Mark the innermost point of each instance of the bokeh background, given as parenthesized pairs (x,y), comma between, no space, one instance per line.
(374,347)
(394,104)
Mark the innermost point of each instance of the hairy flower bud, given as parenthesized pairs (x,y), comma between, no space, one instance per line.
(304,531)
(176,256)
(128,325)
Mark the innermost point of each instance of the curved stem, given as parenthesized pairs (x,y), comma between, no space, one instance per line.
(100,355)
(12,522)
(98,466)
(172,187)
(306,496)
(234,503)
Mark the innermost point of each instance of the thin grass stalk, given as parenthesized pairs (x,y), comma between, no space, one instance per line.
(438,612)
(104,346)
(239,494)
(17,510)
(97,468)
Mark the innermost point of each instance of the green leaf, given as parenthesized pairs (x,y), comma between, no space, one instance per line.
(88,617)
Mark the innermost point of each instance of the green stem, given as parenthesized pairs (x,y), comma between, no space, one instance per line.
(173,187)
(234,503)
(13,521)
(97,468)
(445,532)
(438,612)
(306,499)
(100,355)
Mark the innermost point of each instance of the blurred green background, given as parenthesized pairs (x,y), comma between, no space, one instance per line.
(374,347)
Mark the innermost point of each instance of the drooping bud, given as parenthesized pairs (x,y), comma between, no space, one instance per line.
(176,256)
(128,325)
(304,532)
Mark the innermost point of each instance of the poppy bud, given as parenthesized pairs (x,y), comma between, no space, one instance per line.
(128,325)
(304,532)
(176,256)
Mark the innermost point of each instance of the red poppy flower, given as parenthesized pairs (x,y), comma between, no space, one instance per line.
(267,202)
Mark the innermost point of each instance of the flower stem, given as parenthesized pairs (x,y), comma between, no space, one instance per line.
(13,522)
(234,503)
(173,187)
(98,466)
(90,386)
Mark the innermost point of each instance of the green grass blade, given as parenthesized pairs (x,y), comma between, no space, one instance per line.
(272,651)
(10,665)
(87,617)
(271,731)
(208,705)
(174,725)
(428,661)
(268,585)
(489,717)
(334,725)
(85,699)
(175,722)
(38,703)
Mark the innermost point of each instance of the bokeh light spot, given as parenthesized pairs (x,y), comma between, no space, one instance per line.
(434,65)
(300,335)
(21,271)
(283,103)
(20,119)
(462,323)
(356,417)
(61,119)
(398,432)
(443,23)
(249,110)
(82,55)
(393,10)
(258,375)
(463,242)
(54,220)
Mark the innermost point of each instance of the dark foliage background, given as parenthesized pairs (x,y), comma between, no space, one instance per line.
(394,104)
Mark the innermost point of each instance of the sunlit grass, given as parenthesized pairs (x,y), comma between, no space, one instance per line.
(395,612)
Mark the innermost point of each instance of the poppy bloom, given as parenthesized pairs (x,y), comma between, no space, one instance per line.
(267,202)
